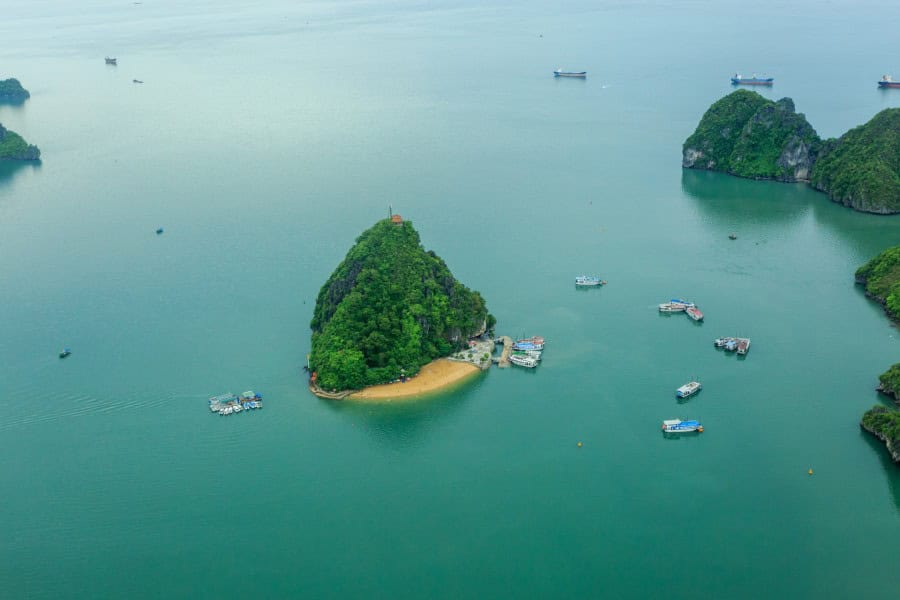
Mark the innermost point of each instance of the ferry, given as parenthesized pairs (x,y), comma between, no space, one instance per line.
(888,82)
(523,361)
(738,79)
(110,61)
(527,346)
(679,426)
(560,73)
(587,280)
(743,345)
(688,389)
(694,313)
(65,352)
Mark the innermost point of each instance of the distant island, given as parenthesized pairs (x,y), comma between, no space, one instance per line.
(13,147)
(388,309)
(12,91)
(747,135)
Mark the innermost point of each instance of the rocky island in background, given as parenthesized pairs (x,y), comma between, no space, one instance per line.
(387,310)
(747,135)
(13,147)
(12,91)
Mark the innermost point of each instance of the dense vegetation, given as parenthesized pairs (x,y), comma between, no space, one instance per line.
(12,90)
(884,423)
(861,169)
(890,381)
(881,276)
(390,305)
(747,135)
(13,147)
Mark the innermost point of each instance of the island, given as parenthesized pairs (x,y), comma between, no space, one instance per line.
(12,91)
(747,135)
(884,423)
(13,147)
(881,278)
(389,309)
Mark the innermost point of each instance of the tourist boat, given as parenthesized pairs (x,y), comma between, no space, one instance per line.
(679,426)
(587,280)
(688,389)
(694,313)
(738,79)
(888,82)
(535,354)
(527,346)
(65,352)
(722,341)
(523,361)
(535,339)
(669,307)
(560,73)
(681,302)
(731,345)
(111,61)
(743,345)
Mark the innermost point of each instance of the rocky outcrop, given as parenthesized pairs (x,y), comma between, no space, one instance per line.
(12,91)
(884,424)
(13,147)
(747,135)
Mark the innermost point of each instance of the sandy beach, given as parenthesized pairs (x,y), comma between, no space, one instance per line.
(433,376)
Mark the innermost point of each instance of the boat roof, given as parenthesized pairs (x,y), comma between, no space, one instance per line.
(672,421)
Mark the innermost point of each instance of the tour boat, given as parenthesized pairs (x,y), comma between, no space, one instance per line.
(669,307)
(694,313)
(560,73)
(65,352)
(679,426)
(535,339)
(738,79)
(527,346)
(681,302)
(688,389)
(110,61)
(535,354)
(587,280)
(523,361)
(888,82)
(743,345)
(722,341)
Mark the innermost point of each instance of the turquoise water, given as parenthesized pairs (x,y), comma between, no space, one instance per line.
(266,138)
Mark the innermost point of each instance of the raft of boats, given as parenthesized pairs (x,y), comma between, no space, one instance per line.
(527,352)
(679,305)
(733,344)
(229,404)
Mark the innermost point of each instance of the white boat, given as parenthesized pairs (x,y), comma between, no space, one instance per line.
(679,426)
(535,354)
(523,361)
(688,389)
(743,345)
(668,307)
(587,280)
(694,313)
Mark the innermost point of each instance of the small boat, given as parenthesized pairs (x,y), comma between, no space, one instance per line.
(136,81)
(560,73)
(688,389)
(527,346)
(679,426)
(732,236)
(681,302)
(523,361)
(65,352)
(110,61)
(670,307)
(731,345)
(722,341)
(694,313)
(743,345)
(587,280)
(888,82)
(738,79)
(159,231)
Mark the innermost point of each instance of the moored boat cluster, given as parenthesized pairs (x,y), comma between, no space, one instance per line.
(679,305)
(527,352)
(733,344)
(229,404)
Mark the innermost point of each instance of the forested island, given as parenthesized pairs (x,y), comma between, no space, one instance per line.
(12,91)
(389,308)
(13,147)
(747,135)
(881,278)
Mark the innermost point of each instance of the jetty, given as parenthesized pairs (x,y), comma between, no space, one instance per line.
(507,341)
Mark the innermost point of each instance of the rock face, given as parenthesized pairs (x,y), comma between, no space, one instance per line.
(861,169)
(884,424)
(12,91)
(13,147)
(388,309)
(747,135)
(881,278)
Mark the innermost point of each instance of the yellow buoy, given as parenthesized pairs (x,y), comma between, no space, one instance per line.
(579,444)
(810,471)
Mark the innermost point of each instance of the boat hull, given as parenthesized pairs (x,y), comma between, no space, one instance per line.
(889,84)
(752,81)
(581,74)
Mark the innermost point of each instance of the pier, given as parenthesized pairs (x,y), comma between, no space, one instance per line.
(507,350)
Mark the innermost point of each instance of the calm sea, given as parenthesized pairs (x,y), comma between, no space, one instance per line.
(266,136)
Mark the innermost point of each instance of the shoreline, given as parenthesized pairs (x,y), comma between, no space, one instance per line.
(433,377)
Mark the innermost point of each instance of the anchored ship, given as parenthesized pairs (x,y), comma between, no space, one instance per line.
(560,73)
(888,82)
(688,389)
(738,79)
(679,426)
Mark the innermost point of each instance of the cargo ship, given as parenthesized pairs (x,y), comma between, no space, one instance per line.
(739,79)
(888,82)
